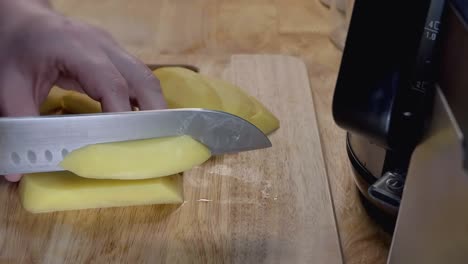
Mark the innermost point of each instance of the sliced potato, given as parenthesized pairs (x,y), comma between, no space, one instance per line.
(62,191)
(138,159)
(79,103)
(53,102)
(183,88)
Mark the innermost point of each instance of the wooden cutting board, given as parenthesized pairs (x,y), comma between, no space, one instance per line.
(265,206)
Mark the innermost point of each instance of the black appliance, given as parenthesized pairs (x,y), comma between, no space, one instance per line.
(384,94)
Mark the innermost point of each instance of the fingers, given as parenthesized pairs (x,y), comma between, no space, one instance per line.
(143,85)
(69,84)
(100,79)
(16,94)
(13,177)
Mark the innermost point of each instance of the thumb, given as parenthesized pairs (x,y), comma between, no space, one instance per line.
(13,177)
(16,99)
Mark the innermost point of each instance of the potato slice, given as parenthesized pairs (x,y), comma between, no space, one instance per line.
(138,159)
(62,191)
(237,102)
(53,102)
(183,88)
(79,103)
(263,118)
(233,99)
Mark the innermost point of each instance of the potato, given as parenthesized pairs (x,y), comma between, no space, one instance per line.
(79,103)
(62,191)
(233,99)
(138,159)
(53,102)
(183,88)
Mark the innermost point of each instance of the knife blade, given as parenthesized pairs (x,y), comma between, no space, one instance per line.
(39,144)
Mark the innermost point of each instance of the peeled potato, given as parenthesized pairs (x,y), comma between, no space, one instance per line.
(233,99)
(263,119)
(236,101)
(61,191)
(53,102)
(80,103)
(183,88)
(138,159)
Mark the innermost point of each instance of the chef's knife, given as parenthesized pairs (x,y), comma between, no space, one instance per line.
(38,144)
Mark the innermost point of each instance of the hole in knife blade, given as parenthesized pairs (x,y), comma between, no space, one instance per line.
(48,155)
(32,156)
(64,152)
(15,158)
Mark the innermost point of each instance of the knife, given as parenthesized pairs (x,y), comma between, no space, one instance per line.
(38,144)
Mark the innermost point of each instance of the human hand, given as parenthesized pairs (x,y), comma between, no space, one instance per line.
(40,48)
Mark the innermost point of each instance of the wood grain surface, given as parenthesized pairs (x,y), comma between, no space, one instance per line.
(150,28)
(263,206)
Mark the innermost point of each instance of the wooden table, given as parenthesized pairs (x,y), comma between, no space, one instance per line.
(210,27)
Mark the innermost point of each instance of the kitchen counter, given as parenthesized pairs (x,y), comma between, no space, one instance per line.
(212,27)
